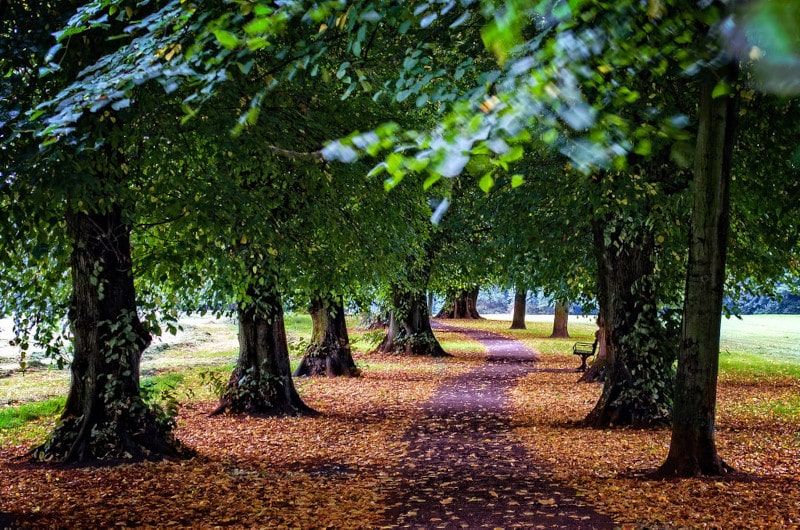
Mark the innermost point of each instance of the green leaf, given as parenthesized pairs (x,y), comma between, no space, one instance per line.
(644,147)
(550,136)
(517,181)
(257,26)
(226,38)
(514,154)
(430,181)
(722,89)
(487,182)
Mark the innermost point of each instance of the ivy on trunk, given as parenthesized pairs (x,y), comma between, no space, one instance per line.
(329,352)
(462,304)
(410,329)
(105,416)
(638,368)
(262,382)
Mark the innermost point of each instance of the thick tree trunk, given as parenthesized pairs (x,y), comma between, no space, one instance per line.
(638,373)
(262,382)
(329,351)
(693,450)
(462,304)
(518,317)
(105,417)
(410,327)
(560,320)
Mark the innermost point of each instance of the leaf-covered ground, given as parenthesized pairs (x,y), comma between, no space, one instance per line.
(349,468)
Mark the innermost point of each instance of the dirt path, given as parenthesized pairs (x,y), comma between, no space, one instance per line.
(463,468)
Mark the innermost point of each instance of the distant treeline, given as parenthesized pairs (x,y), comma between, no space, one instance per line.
(496,300)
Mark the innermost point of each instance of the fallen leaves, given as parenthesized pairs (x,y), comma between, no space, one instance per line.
(325,472)
(334,471)
(609,467)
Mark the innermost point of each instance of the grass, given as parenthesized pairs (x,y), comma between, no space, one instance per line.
(14,417)
(761,347)
(192,363)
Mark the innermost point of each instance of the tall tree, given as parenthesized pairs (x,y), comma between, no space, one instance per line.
(105,417)
(693,448)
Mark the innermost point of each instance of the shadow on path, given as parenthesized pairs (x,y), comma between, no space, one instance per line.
(463,468)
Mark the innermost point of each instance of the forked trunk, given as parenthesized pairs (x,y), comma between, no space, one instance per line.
(410,327)
(329,351)
(693,450)
(518,317)
(262,382)
(462,304)
(105,417)
(560,320)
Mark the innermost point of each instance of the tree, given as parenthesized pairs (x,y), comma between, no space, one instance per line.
(518,315)
(106,416)
(329,351)
(462,304)
(560,330)
(692,446)
(262,382)
(409,328)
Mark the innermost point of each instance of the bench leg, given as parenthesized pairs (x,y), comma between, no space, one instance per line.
(583,363)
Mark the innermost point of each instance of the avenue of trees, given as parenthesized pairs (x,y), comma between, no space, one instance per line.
(242,157)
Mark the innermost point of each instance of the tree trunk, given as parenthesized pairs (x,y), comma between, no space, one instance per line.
(518,318)
(262,382)
(560,319)
(105,417)
(597,370)
(638,369)
(693,450)
(387,345)
(462,305)
(329,351)
(410,327)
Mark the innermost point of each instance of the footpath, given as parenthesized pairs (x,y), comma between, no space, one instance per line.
(463,468)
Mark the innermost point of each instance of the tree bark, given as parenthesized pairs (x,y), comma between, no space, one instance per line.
(105,417)
(560,320)
(410,329)
(638,368)
(262,382)
(462,305)
(518,317)
(329,352)
(596,371)
(693,450)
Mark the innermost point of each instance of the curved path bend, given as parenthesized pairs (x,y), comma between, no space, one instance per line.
(463,468)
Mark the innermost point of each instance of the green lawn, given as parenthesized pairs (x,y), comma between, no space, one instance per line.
(761,345)
(190,364)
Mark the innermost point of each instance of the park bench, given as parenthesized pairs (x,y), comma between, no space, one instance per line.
(585,350)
